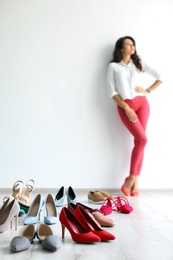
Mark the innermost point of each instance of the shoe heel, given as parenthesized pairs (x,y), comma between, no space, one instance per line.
(63,230)
(16,222)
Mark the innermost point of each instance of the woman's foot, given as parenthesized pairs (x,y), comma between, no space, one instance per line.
(134,189)
(130,185)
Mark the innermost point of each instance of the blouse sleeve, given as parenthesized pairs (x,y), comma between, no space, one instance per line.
(111,83)
(151,71)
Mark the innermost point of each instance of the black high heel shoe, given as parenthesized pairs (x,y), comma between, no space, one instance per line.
(71,196)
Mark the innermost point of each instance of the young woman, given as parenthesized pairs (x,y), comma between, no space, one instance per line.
(125,87)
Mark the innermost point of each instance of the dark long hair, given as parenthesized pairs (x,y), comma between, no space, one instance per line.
(117,54)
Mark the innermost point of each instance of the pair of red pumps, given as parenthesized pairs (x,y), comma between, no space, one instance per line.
(117,203)
(82,227)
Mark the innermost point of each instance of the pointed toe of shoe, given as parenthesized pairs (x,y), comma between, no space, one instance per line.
(51,243)
(19,244)
(103,220)
(49,220)
(30,220)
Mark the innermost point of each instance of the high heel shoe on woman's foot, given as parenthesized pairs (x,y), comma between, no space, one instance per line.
(47,239)
(60,197)
(7,213)
(78,232)
(71,196)
(50,211)
(34,211)
(125,191)
(24,239)
(121,204)
(134,192)
(91,225)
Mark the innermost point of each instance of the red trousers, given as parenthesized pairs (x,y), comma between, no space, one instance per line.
(138,129)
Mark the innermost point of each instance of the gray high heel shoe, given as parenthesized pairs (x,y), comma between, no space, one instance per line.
(8,211)
(47,239)
(24,239)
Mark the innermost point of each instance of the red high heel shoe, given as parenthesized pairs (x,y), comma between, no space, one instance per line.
(91,225)
(121,204)
(78,232)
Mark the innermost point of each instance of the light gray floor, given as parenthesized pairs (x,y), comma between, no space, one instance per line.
(144,234)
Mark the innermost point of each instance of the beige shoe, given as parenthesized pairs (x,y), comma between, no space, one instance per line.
(96,197)
(8,212)
(17,189)
(104,221)
(105,194)
(26,195)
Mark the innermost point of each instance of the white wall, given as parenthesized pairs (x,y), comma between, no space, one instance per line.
(57,123)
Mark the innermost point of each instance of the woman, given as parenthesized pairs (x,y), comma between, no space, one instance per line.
(125,87)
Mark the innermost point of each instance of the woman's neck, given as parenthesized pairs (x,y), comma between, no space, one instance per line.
(126,59)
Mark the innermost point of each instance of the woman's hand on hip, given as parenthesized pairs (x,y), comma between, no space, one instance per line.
(141,90)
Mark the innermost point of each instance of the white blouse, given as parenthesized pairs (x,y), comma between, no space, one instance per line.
(123,78)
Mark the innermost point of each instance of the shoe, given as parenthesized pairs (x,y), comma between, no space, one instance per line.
(21,212)
(103,220)
(72,208)
(106,207)
(95,214)
(91,225)
(47,239)
(24,239)
(126,192)
(17,189)
(105,194)
(19,244)
(25,197)
(78,232)
(88,208)
(134,193)
(50,211)
(71,196)
(33,214)
(60,197)
(6,201)
(28,231)
(121,204)
(8,211)
(96,197)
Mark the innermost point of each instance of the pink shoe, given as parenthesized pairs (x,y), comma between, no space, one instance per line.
(106,207)
(121,204)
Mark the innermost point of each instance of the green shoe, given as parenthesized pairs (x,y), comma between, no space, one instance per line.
(24,207)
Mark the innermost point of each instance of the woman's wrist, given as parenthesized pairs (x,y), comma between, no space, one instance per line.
(148,90)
